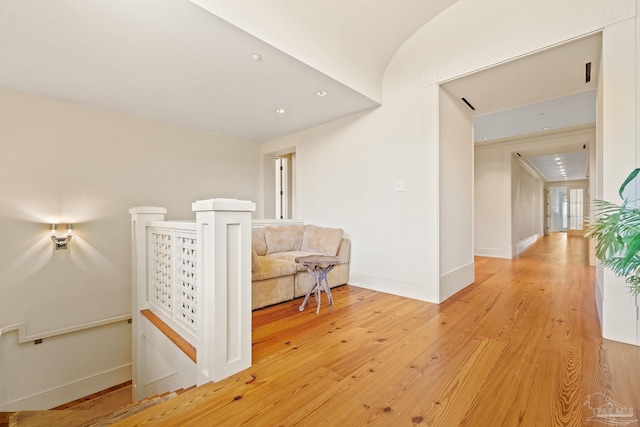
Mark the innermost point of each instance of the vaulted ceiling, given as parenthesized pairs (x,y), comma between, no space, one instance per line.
(194,63)
(252,69)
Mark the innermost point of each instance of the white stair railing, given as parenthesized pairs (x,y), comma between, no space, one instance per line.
(172,278)
(195,277)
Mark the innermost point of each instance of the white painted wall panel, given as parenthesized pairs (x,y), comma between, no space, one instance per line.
(455,196)
(492,203)
(527,207)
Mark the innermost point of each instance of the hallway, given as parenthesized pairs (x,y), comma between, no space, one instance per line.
(521,346)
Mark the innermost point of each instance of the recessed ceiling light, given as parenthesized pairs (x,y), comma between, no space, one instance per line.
(485,138)
(322,93)
(256,57)
(280,111)
(546,128)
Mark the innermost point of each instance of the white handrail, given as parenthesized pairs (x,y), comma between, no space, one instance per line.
(24,338)
(174,225)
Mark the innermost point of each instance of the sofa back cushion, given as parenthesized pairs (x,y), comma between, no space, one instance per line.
(283,239)
(322,240)
(258,243)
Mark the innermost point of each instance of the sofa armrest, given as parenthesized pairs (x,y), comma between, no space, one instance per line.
(344,251)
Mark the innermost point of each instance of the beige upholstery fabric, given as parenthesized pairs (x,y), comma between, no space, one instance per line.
(283,239)
(344,252)
(271,291)
(258,242)
(255,261)
(273,267)
(321,240)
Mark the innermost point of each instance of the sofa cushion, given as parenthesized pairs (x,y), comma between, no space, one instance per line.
(258,242)
(321,240)
(271,291)
(273,267)
(283,239)
(255,261)
(291,257)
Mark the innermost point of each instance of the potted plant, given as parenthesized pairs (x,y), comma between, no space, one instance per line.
(617,234)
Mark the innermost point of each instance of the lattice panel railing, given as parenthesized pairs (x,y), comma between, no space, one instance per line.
(186,281)
(172,279)
(160,278)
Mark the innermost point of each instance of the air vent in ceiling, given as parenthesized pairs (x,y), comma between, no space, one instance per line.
(468,104)
(587,72)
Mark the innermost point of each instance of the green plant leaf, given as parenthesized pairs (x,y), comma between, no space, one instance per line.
(617,235)
(630,178)
(634,284)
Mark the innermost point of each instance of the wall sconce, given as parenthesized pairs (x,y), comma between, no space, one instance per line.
(61,242)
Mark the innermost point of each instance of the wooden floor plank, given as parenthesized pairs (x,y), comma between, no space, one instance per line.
(521,346)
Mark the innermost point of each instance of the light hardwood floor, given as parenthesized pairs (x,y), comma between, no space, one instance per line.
(521,346)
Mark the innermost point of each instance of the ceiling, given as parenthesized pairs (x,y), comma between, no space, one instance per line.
(560,163)
(542,92)
(549,74)
(177,62)
(562,166)
(547,116)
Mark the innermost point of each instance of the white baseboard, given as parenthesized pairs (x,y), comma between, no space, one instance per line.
(456,280)
(389,286)
(523,244)
(493,253)
(71,391)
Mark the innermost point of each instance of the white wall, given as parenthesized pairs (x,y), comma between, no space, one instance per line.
(492,202)
(68,163)
(620,144)
(527,207)
(455,197)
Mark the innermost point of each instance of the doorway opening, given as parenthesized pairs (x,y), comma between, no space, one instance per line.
(566,209)
(558,207)
(280,185)
(284,188)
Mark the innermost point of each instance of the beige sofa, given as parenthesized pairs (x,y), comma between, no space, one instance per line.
(275,275)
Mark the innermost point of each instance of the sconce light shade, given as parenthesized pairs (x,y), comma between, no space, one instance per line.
(61,242)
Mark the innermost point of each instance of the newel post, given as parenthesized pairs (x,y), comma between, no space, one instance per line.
(223,229)
(140,216)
